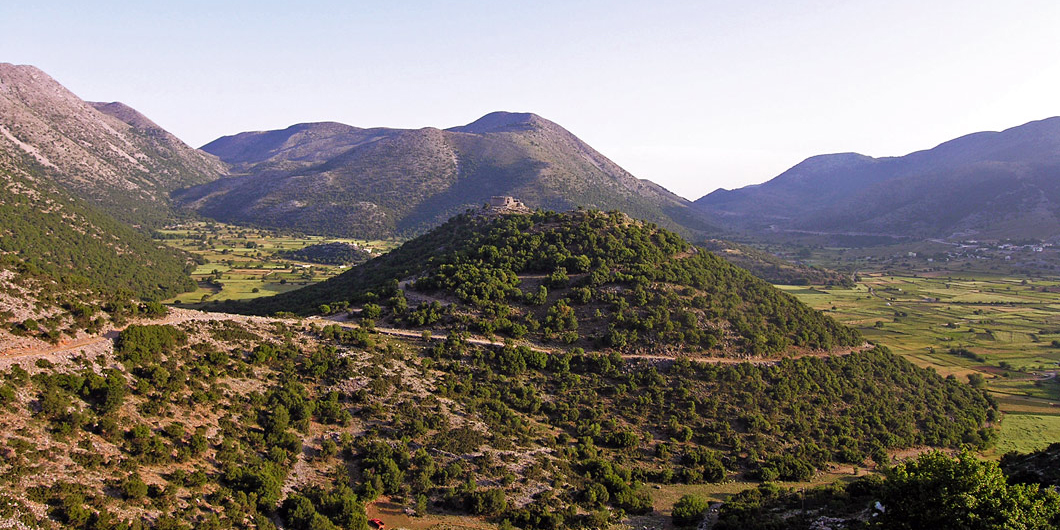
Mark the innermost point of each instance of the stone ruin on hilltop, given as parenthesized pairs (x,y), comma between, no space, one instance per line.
(499,204)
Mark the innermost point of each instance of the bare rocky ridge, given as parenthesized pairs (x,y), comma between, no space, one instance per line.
(107,153)
(343,180)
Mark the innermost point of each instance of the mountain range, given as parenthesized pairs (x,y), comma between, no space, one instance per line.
(342,180)
(84,174)
(335,179)
(987,185)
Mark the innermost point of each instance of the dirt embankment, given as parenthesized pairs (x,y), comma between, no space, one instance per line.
(91,346)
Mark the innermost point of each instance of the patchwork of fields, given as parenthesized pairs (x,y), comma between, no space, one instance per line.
(959,324)
(243,263)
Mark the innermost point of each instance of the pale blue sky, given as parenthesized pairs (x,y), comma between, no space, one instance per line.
(692,95)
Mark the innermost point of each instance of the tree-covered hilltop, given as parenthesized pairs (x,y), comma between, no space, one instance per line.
(336,253)
(226,424)
(56,245)
(583,278)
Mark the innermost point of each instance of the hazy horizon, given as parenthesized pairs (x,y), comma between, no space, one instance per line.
(692,97)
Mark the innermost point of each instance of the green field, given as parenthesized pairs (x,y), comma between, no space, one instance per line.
(1028,432)
(241,263)
(1009,324)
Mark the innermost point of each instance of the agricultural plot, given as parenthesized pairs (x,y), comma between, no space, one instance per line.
(1004,329)
(239,263)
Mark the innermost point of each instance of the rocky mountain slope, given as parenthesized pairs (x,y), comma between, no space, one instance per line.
(105,153)
(342,180)
(983,185)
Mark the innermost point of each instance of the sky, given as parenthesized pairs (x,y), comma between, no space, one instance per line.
(693,95)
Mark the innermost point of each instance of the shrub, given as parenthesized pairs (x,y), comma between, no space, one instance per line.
(689,510)
(133,487)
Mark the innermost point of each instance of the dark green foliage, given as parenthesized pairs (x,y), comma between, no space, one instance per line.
(1038,467)
(792,417)
(461,440)
(134,487)
(936,491)
(7,394)
(651,289)
(968,354)
(74,506)
(785,467)
(325,509)
(138,345)
(689,510)
(769,507)
(699,464)
(327,254)
(487,502)
(932,491)
(63,240)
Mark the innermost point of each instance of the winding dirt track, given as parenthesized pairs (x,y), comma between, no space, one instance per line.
(481,341)
(104,341)
(62,347)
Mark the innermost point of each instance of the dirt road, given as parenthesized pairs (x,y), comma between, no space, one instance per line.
(104,342)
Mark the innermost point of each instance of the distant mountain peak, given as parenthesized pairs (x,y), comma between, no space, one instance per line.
(502,121)
(9,68)
(126,114)
(994,184)
(384,182)
(836,159)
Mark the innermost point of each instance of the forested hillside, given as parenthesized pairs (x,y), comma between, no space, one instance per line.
(328,254)
(62,261)
(48,235)
(583,278)
(772,268)
(246,422)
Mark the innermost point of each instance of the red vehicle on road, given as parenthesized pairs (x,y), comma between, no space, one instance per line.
(376,523)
